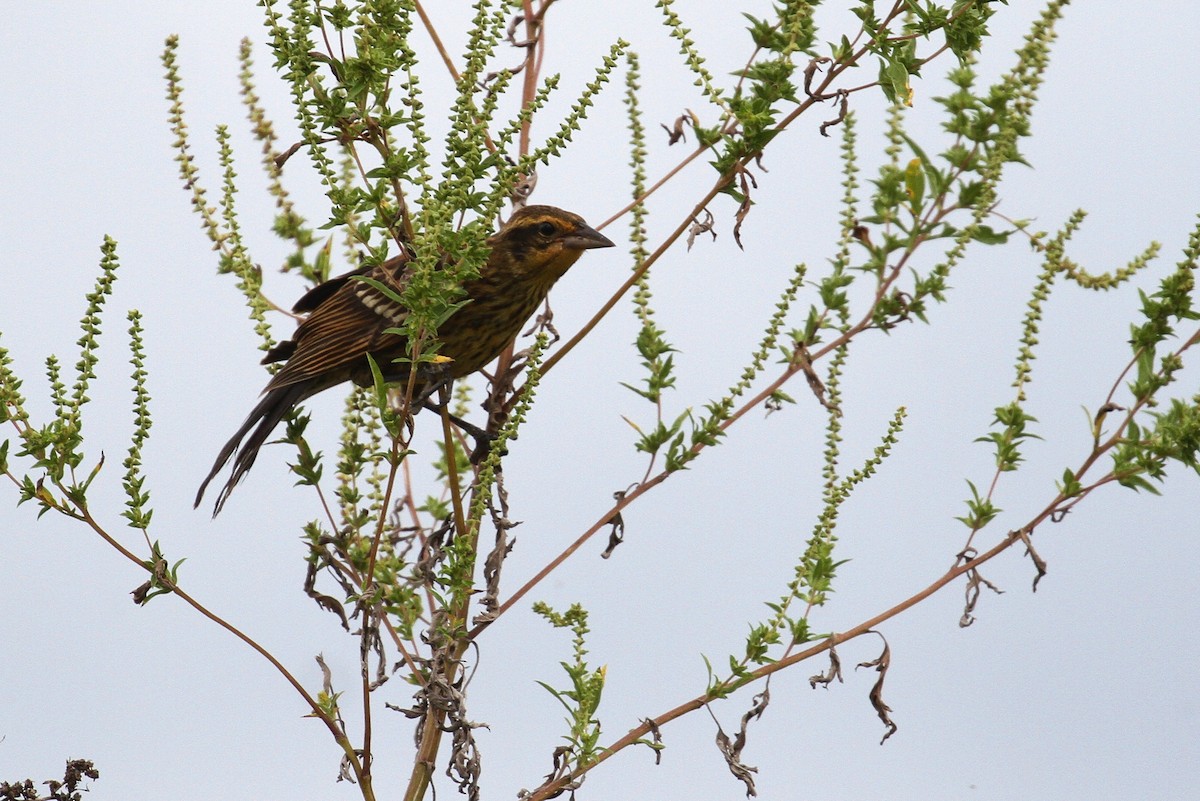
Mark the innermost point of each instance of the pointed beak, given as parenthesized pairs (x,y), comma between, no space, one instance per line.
(585,237)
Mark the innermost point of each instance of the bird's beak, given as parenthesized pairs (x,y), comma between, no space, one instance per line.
(585,237)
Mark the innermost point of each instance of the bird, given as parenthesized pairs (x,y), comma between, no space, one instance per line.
(349,319)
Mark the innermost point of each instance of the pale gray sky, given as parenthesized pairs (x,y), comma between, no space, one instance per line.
(1084,690)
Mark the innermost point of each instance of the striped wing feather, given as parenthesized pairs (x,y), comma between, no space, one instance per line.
(344,325)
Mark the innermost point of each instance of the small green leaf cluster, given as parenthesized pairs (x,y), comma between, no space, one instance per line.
(137,498)
(814,573)
(163,579)
(1143,451)
(1012,421)
(659,364)
(1163,311)
(581,698)
(980,510)
(766,99)
(682,446)
(1144,442)
(289,224)
(1176,432)
(917,201)
(792,30)
(56,448)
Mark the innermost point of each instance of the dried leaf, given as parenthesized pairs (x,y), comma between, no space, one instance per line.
(843,108)
(678,132)
(656,743)
(490,601)
(522,188)
(731,749)
(1038,561)
(746,182)
(974,581)
(617,535)
(326,675)
(803,361)
(881,665)
(741,772)
(834,672)
(698,227)
(810,72)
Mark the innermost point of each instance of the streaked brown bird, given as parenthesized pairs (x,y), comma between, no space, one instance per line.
(348,319)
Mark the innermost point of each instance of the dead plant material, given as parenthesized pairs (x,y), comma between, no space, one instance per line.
(881,665)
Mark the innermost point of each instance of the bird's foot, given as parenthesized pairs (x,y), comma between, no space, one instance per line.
(483,439)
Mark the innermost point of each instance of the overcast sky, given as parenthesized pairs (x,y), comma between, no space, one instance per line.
(1084,690)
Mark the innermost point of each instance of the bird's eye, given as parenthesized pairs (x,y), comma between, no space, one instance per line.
(547,229)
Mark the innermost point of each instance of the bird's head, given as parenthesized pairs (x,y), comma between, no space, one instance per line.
(541,242)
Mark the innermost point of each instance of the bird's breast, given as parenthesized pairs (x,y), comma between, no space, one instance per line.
(480,330)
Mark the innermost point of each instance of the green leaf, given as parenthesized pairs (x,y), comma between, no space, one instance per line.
(893,79)
(914,184)
(989,236)
(1070,486)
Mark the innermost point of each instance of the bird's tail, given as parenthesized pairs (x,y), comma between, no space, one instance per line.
(275,404)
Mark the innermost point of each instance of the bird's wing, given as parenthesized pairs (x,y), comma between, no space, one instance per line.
(307,304)
(345,324)
(320,293)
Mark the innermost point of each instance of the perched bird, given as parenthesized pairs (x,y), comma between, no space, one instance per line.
(348,319)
